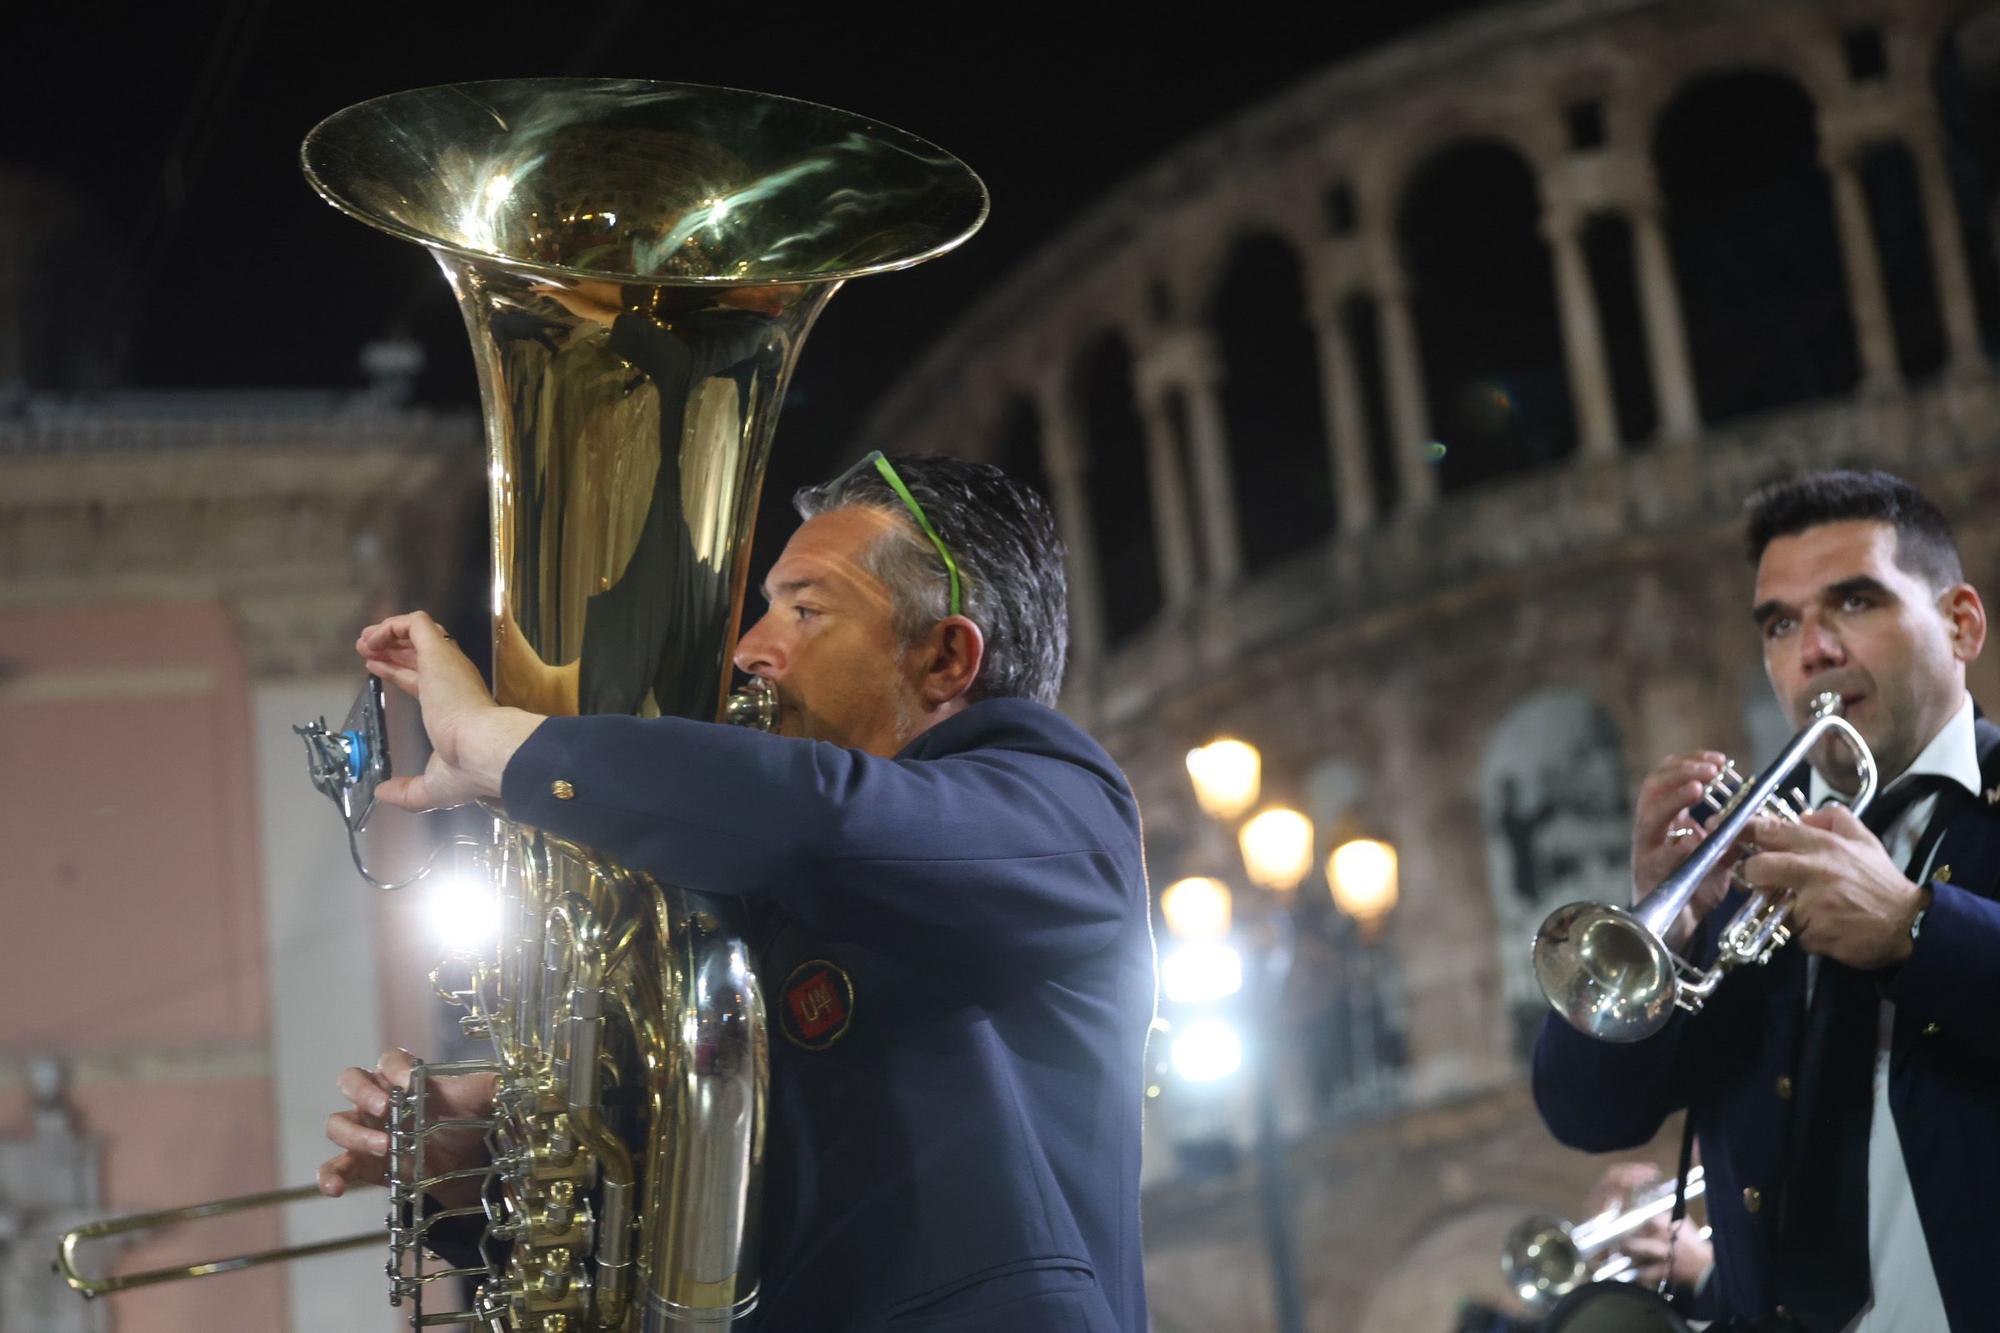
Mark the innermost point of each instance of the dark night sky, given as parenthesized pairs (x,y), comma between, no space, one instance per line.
(245,278)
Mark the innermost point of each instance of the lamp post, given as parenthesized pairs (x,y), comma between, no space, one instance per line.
(1276,846)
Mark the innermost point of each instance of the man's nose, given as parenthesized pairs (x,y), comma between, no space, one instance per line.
(1819,647)
(758,652)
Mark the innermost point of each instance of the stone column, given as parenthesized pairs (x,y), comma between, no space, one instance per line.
(1173,542)
(1188,360)
(1666,332)
(1583,337)
(1403,367)
(1346,427)
(1062,459)
(1948,264)
(1875,334)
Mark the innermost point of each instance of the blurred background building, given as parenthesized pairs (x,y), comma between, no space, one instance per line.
(1397,425)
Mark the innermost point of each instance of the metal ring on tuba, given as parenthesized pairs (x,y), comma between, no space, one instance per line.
(637,265)
(1546,1258)
(1609,972)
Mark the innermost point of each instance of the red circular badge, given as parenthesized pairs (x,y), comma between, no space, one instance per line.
(816,1004)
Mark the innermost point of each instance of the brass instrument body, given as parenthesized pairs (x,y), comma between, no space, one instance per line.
(1608,971)
(1545,1257)
(637,265)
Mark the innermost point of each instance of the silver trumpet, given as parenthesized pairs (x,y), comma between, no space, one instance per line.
(1546,1258)
(1608,971)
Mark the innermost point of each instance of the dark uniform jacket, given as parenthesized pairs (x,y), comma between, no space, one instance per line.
(1725,1065)
(958,971)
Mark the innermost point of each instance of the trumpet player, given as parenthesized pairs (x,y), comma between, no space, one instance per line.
(1846,1098)
(952,896)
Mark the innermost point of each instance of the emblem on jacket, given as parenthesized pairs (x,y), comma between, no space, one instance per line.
(817,1004)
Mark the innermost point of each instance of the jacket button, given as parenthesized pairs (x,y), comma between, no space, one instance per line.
(561,790)
(1785,1086)
(1932,1029)
(1753,1198)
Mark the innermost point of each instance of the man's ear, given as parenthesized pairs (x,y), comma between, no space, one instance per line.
(1965,618)
(953,652)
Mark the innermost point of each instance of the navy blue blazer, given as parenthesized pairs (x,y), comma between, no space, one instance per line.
(1724,1065)
(958,970)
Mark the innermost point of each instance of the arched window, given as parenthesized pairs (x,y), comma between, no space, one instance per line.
(1018,449)
(1271,401)
(1607,248)
(1896,217)
(1121,514)
(1968,93)
(1483,299)
(1756,253)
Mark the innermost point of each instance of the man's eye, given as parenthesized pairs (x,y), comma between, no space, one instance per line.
(1856,601)
(1777,626)
(805,612)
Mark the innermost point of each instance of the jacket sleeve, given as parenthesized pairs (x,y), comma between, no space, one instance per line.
(1022,852)
(1952,976)
(1603,1096)
(1606,1096)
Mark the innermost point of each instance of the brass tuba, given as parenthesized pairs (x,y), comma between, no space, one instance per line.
(638,265)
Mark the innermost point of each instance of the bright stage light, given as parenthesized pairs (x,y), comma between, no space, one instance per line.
(1201,973)
(1207,1051)
(464,914)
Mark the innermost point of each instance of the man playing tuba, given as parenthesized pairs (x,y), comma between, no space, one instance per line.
(950,895)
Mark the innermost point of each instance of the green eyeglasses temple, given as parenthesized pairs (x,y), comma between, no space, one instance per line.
(888,473)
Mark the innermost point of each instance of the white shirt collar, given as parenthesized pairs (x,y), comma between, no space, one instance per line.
(1953,753)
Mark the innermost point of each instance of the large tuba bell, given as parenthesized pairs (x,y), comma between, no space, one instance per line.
(638,265)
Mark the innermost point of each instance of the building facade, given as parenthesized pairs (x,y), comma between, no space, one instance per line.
(1402,426)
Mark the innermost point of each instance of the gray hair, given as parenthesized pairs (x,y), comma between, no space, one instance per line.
(1010,564)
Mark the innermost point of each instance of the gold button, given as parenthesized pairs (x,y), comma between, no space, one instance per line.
(1942,874)
(562,790)
(1932,1029)
(1785,1086)
(1753,1198)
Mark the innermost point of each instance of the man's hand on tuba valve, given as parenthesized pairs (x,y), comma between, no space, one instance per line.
(364,1143)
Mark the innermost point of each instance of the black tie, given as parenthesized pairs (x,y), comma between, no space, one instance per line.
(1822,1249)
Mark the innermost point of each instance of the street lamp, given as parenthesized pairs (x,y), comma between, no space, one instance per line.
(1227,775)
(1196,908)
(1277,850)
(1277,847)
(1362,874)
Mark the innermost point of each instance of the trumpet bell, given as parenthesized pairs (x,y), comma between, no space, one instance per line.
(1541,1262)
(1605,972)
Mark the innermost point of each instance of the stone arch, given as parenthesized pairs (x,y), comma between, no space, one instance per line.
(1271,399)
(1557,824)
(1114,465)
(1755,248)
(1483,300)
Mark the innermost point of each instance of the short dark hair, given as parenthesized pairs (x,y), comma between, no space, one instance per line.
(1010,563)
(1925,547)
